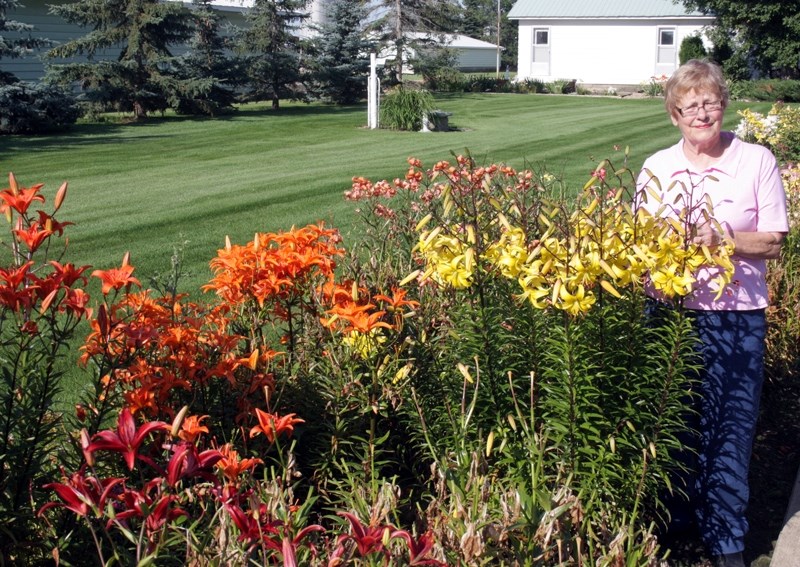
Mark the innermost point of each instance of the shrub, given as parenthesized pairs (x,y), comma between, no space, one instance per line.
(770,90)
(691,48)
(34,108)
(403,108)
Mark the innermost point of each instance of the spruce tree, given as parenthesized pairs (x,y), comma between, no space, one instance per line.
(273,50)
(141,78)
(19,43)
(210,76)
(342,63)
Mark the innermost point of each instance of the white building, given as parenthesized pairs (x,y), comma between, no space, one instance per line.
(602,42)
(471,54)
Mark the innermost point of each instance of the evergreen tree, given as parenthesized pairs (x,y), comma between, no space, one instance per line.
(342,64)
(273,50)
(141,78)
(210,75)
(397,18)
(18,44)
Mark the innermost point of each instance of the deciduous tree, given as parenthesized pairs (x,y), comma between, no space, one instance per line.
(395,19)
(768,32)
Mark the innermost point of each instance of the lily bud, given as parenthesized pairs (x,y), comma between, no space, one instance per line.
(62,192)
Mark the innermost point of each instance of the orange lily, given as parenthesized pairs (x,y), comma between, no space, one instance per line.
(272,425)
(21,199)
(115,278)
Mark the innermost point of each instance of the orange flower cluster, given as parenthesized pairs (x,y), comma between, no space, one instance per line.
(29,287)
(274,265)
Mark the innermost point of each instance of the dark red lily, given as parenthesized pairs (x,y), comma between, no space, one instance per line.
(368,539)
(82,494)
(155,509)
(187,462)
(419,549)
(127,439)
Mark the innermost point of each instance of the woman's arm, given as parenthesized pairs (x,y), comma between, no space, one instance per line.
(757,245)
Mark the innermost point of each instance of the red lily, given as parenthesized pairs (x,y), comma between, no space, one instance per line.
(156,510)
(368,539)
(186,462)
(127,439)
(419,549)
(33,236)
(82,495)
(231,465)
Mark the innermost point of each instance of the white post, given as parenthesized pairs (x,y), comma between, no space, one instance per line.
(372,93)
(498,40)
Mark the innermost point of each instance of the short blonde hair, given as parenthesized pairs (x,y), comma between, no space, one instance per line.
(697,74)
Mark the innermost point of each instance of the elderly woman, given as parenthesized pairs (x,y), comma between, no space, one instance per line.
(730,190)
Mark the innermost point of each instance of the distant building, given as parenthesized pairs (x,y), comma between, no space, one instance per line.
(602,42)
(471,54)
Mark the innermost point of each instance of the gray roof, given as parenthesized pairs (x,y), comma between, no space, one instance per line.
(599,9)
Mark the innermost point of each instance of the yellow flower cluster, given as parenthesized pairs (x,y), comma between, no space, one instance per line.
(609,247)
(364,345)
(779,130)
(450,260)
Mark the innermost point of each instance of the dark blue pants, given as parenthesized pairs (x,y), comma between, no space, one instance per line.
(730,384)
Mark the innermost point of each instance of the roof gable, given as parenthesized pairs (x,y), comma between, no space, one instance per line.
(599,9)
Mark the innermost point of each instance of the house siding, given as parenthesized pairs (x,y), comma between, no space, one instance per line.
(610,51)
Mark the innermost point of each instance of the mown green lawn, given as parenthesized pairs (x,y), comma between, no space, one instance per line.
(145,187)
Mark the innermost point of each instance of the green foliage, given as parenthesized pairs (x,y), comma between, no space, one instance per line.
(209,75)
(764,32)
(272,52)
(691,48)
(783,281)
(403,108)
(437,65)
(140,80)
(20,44)
(769,90)
(395,22)
(32,108)
(480,20)
(341,65)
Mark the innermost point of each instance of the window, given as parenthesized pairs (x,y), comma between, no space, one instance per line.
(666,46)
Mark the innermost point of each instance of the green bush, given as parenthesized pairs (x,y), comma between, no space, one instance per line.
(770,90)
(32,108)
(403,108)
(691,48)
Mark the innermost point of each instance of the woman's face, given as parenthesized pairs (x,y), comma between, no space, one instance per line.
(699,117)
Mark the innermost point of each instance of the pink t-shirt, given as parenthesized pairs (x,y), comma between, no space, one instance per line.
(746,195)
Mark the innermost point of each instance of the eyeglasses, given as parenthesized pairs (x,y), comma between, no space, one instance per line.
(708,106)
